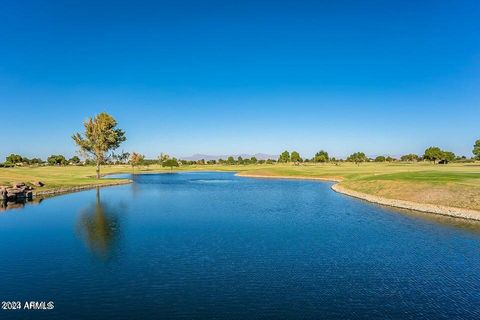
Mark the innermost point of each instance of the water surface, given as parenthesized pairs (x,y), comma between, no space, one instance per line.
(213,245)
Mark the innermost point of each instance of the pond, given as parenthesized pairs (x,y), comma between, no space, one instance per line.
(214,245)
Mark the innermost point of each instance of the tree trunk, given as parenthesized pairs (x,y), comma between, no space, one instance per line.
(98,170)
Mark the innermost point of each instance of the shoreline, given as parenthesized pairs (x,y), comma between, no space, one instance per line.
(454,212)
(65,190)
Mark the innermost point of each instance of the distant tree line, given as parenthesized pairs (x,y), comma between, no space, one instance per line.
(431,154)
(102,136)
(229,161)
(18,160)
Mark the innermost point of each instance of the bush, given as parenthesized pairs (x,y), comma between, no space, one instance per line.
(170,163)
(7,165)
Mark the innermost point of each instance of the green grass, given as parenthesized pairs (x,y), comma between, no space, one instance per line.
(453,184)
(428,176)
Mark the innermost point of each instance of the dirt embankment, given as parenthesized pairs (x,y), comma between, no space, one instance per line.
(51,192)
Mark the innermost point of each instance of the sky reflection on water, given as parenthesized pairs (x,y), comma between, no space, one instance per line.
(213,245)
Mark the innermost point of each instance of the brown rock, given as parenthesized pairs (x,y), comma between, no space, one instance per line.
(11,196)
(13,190)
(16,193)
(18,184)
(38,183)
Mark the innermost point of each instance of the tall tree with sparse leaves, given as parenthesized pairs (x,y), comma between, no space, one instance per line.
(101,136)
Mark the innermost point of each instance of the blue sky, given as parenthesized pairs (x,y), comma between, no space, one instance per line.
(217,77)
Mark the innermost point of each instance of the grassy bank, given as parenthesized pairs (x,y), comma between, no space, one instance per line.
(456,185)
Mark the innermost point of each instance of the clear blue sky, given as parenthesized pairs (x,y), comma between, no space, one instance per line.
(218,77)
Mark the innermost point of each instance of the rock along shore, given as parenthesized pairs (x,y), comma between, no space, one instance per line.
(17,191)
(403,204)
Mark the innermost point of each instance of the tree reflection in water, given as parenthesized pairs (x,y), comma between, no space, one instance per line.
(100,228)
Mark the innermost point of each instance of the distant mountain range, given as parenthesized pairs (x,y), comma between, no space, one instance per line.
(206,157)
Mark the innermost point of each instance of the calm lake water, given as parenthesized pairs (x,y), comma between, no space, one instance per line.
(212,245)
